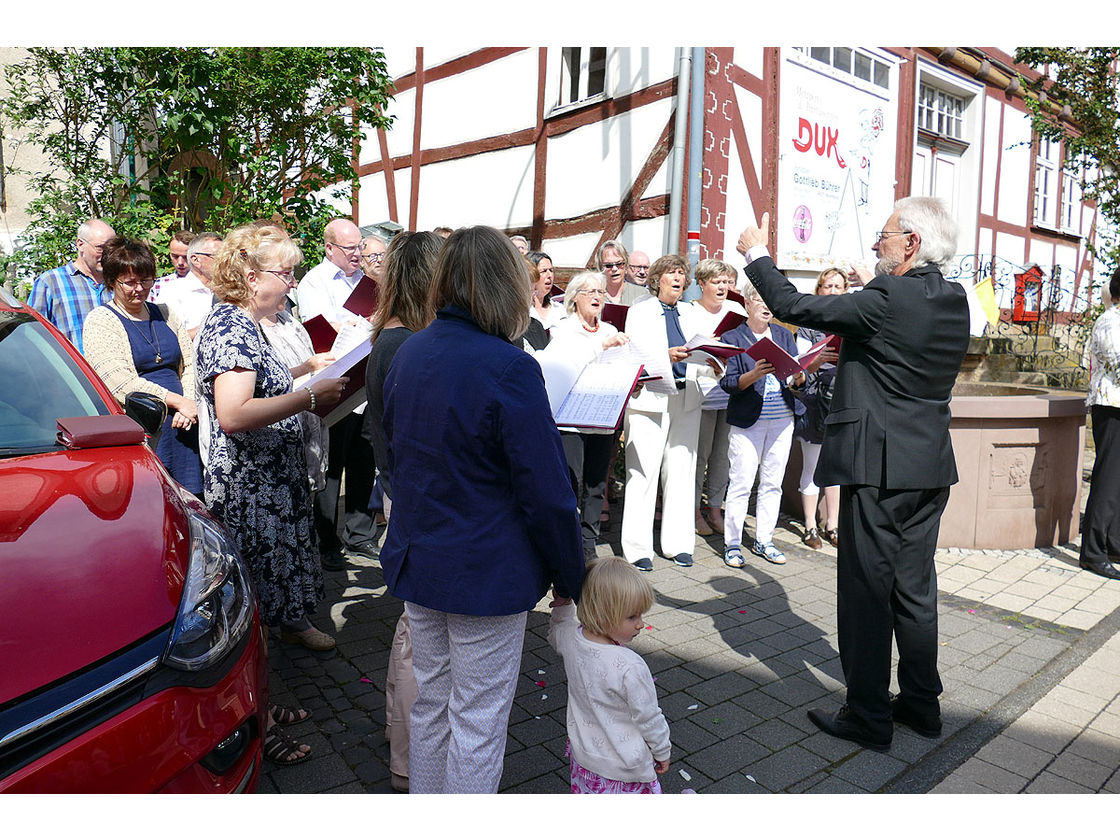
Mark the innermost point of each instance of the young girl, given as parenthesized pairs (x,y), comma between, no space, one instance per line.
(618,740)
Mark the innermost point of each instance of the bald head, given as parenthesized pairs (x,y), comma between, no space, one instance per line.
(343,243)
(639,267)
(92,236)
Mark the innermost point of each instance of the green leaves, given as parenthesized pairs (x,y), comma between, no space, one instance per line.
(157,138)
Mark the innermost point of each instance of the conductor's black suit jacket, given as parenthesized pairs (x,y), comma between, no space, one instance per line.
(904,341)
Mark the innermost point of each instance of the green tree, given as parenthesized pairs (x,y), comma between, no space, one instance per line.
(1077,98)
(153,139)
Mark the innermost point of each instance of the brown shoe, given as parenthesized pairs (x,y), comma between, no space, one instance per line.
(833,538)
(312,638)
(812,539)
(715,518)
(399,783)
(702,526)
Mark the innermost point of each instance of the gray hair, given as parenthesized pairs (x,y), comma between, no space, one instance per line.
(581,282)
(936,229)
(201,241)
(617,246)
(518,238)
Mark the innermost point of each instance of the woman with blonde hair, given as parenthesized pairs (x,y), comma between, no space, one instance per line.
(256,480)
(483,518)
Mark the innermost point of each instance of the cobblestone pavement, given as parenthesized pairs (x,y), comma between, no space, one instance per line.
(1030,660)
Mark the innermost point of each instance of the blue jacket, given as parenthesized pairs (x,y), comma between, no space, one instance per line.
(484,517)
(744,407)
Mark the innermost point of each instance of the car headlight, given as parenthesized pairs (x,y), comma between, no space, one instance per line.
(216,609)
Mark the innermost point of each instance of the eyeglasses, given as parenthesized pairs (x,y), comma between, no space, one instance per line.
(288,277)
(613,265)
(589,292)
(639,269)
(374,257)
(349,249)
(202,254)
(879,236)
(132,284)
(98,248)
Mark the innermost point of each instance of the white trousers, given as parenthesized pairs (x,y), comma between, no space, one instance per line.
(660,445)
(810,454)
(466,671)
(763,449)
(711,457)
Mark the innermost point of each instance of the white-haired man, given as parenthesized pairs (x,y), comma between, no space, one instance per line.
(67,294)
(324,291)
(887,445)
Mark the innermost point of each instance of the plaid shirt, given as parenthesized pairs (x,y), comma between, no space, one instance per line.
(65,296)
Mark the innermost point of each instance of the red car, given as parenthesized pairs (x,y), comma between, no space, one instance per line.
(132,658)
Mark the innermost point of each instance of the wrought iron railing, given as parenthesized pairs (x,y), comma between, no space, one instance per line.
(1048,327)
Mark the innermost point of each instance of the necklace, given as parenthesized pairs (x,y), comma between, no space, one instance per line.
(128,319)
(593,329)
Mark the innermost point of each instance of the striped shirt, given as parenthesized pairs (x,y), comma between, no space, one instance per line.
(65,296)
(774,405)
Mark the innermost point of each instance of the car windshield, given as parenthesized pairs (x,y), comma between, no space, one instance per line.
(39,383)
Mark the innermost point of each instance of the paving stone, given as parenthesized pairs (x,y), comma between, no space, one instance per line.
(777,772)
(996,779)
(1098,747)
(1051,783)
(870,770)
(1081,770)
(1015,756)
(726,756)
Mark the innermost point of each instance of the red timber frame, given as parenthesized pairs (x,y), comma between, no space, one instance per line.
(722,123)
(607,221)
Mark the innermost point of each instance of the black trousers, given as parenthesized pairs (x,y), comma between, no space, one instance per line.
(1100,530)
(589,458)
(886,587)
(349,451)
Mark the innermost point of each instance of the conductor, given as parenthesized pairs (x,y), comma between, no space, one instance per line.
(886,443)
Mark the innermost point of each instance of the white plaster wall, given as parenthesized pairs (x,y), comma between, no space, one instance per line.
(400,59)
(494,189)
(399,136)
(631,69)
(1015,169)
(662,179)
(572,251)
(992,115)
(593,166)
(1066,257)
(373,204)
(1008,247)
(492,100)
(750,59)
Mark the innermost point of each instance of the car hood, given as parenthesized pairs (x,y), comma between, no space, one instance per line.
(93,548)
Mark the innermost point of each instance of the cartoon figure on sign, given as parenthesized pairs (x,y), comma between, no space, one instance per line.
(859,159)
(802,224)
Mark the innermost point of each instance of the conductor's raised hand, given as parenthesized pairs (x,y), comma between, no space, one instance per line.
(329,391)
(753,236)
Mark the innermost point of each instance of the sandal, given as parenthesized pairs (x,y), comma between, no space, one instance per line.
(733,557)
(282,750)
(833,537)
(286,717)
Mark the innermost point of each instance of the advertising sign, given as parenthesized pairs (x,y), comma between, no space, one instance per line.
(836,168)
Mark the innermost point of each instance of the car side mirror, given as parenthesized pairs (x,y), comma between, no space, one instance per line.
(149,411)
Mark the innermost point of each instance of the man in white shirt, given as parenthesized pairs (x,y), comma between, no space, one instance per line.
(177,248)
(189,296)
(323,291)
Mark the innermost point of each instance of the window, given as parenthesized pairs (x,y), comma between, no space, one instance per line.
(854,62)
(1071,196)
(1046,182)
(940,112)
(583,74)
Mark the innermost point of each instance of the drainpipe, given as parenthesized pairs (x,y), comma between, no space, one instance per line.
(676,188)
(695,163)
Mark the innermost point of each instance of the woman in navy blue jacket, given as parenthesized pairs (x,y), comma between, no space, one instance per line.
(484,519)
(760,413)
